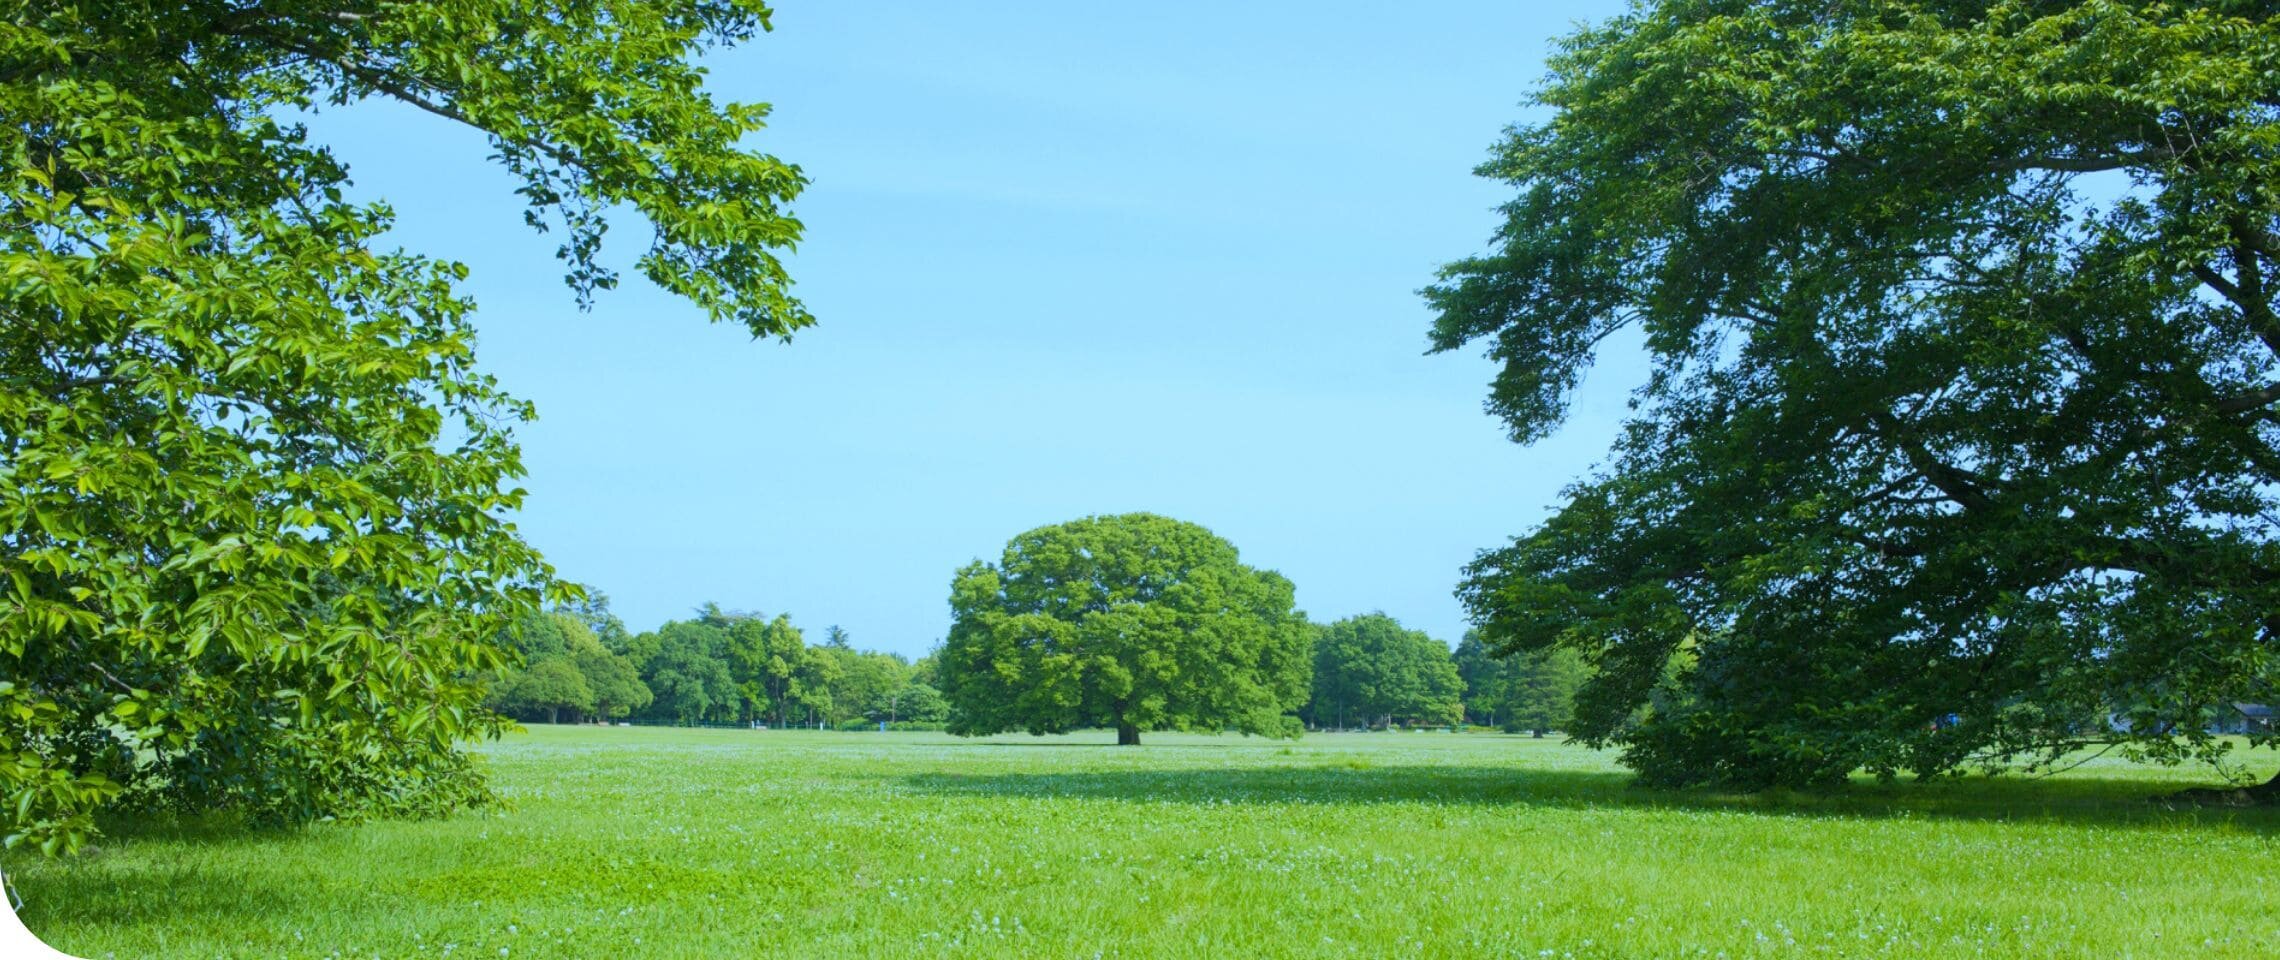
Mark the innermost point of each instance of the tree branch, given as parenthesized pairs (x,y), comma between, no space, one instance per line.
(2251,400)
(1960,485)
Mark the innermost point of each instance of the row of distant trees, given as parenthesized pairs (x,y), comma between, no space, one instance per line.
(1371,672)
(580,663)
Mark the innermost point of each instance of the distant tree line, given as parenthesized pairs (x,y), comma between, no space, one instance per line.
(580,663)
(1371,673)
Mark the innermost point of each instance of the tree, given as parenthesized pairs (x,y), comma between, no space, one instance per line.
(765,657)
(918,703)
(815,673)
(548,687)
(613,679)
(538,636)
(918,699)
(1483,674)
(253,488)
(712,614)
(618,690)
(1961,439)
(593,610)
(927,669)
(546,677)
(1531,690)
(1370,671)
(866,681)
(912,702)
(1136,622)
(688,675)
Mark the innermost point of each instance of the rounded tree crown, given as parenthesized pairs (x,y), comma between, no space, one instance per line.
(1133,620)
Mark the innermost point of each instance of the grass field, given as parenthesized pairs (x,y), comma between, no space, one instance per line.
(626,843)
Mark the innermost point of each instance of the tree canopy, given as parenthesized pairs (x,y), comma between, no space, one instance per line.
(776,668)
(547,687)
(1135,621)
(1369,671)
(1960,443)
(742,667)
(563,666)
(1532,690)
(253,489)
(688,675)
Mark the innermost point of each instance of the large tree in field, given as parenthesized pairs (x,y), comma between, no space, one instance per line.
(254,545)
(1370,671)
(1136,622)
(1961,442)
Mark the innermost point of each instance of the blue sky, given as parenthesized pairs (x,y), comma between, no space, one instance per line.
(1066,259)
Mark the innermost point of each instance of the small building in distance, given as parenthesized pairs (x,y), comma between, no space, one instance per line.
(2246,718)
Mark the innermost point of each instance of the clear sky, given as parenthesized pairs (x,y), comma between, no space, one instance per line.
(1066,259)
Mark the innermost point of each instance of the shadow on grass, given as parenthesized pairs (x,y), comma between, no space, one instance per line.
(219,828)
(2090,801)
(92,892)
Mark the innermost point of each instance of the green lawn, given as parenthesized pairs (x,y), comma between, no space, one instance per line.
(631,843)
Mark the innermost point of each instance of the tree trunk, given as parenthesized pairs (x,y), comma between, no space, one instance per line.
(1127,735)
(554,714)
(2266,794)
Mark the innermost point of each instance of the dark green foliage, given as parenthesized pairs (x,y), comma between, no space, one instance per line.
(688,675)
(1961,442)
(545,688)
(564,668)
(1369,672)
(776,669)
(762,656)
(1526,690)
(616,683)
(743,667)
(1136,622)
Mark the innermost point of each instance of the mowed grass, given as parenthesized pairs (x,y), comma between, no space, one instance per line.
(626,843)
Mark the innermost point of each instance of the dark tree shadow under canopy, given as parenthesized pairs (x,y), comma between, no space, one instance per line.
(2077,799)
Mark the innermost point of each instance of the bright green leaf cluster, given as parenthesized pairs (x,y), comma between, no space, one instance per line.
(254,543)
